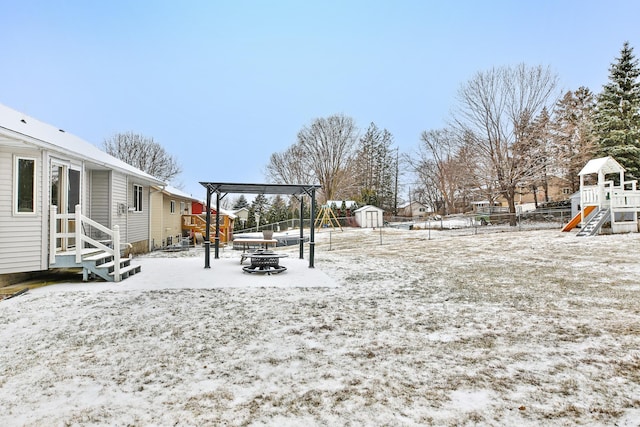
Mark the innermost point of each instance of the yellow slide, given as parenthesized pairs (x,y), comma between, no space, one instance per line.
(576,219)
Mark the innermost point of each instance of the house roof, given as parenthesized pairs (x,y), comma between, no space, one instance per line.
(16,125)
(172,191)
(606,165)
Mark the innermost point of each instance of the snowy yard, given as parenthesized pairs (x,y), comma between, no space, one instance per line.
(521,328)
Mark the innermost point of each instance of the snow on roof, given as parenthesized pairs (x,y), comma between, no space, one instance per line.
(38,133)
(367,208)
(605,164)
(228,213)
(178,193)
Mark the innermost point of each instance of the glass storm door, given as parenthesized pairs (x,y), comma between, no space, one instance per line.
(65,195)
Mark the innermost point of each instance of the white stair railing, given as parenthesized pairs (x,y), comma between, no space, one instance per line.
(81,238)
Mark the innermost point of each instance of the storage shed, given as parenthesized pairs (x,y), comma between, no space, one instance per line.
(369,216)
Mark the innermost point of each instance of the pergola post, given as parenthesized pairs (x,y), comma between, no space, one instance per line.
(222,189)
(312,242)
(301,227)
(207,241)
(217,244)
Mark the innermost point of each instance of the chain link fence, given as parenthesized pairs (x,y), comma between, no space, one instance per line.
(476,223)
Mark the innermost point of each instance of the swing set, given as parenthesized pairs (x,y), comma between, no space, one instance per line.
(326,218)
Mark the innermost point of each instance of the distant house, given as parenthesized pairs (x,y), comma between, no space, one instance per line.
(170,209)
(48,178)
(369,216)
(198,222)
(242,215)
(415,210)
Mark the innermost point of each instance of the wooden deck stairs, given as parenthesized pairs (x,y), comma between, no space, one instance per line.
(197,227)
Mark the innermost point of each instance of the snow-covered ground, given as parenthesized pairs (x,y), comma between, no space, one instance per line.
(392,327)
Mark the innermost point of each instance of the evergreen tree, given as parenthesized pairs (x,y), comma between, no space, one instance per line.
(240,202)
(375,168)
(259,206)
(278,210)
(573,140)
(617,118)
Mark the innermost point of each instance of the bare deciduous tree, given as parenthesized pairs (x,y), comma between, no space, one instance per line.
(323,154)
(496,109)
(143,153)
(435,167)
(328,145)
(289,167)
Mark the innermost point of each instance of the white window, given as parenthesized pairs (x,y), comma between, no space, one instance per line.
(24,194)
(172,206)
(137,198)
(182,208)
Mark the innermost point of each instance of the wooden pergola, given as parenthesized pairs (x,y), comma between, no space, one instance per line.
(222,189)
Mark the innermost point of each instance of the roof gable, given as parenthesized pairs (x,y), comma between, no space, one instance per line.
(605,165)
(35,132)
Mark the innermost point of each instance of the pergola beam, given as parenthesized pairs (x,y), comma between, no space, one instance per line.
(283,189)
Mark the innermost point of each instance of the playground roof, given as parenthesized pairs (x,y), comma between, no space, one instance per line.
(235,188)
(606,165)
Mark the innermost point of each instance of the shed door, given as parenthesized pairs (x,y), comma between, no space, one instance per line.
(371,219)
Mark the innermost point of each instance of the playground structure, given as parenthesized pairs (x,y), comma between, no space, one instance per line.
(326,218)
(614,201)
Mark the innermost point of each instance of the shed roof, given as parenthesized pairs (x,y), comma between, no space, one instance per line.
(32,131)
(605,165)
(368,208)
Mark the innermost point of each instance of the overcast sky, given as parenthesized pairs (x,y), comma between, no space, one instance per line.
(223,84)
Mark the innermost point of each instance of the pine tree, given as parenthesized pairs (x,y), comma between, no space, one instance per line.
(375,168)
(617,118)
(259,206)
(573,140)
(240,202)
(278,210)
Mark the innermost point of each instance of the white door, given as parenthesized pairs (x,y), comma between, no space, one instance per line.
(65,195)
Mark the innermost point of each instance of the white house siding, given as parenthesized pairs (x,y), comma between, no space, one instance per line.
(134,226)
(138,222)
(21,236)
(119,204)
(97,198)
